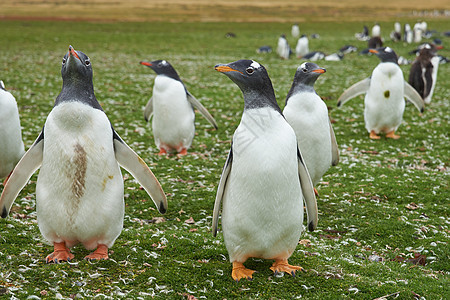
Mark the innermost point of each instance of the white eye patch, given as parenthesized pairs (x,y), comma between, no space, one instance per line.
(388,49)
(255,65)
(164,62)
(303,65)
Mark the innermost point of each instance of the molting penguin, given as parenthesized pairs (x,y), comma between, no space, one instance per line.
(79,190)
(172,107)
(308,115)
(302,47)
(262,202)
(11,145)
(423,72)
(385,90)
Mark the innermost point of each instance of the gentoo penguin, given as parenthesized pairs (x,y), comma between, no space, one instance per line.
(423,72)
(283,48)
(408,34)
(295,30)
(385,92)
(308,115)
(302,47)
(79,190)
(11,145)
(417,30)
(376,30)
(375,42)
(334,57)
(364,35)
(396,35)
(314,56)
(264,49)
(264,180)
(348,49)
(172,107)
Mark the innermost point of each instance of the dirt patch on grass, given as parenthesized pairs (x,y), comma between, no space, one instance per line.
(219,10)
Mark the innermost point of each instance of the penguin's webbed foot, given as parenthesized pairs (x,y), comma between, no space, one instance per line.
(282,265)
(374,136)
(392,135)
(100,253)
(183,152)
(60,253)
(162,151)
(240,271)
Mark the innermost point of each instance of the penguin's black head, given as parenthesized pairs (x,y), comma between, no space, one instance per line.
(76,67)
(247,74)
(308,72)
(252,79)
(385,54)
(162,67)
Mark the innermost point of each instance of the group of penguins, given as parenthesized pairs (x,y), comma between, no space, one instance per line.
(80,189)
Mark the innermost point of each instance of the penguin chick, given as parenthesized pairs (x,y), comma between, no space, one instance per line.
(79,190)
(11,144)
(308,115)
(262,202)
(172,107)
(385,90)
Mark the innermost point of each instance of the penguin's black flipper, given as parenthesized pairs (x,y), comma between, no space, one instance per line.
(220,191)
(19,177)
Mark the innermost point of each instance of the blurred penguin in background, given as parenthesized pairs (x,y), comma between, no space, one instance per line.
(396,35)
(283,48)
(302,47)
(295,30)
(407,34)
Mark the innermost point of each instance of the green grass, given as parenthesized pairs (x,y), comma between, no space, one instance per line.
(362,204)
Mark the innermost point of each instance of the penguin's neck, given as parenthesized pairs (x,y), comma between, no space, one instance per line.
(78,91)
(300,88)
(258,99)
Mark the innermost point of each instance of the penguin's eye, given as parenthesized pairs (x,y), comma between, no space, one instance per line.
(64,60)
(87,62)
(250,70)
(304,70)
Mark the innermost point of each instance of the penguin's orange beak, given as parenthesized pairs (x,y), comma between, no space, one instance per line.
(373,51)
(73,52)
(146,63)
(320,71)
(440,47)
(224,69)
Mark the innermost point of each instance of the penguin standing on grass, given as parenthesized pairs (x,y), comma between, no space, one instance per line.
(264,181)
(385,90)
(79,190)
(308,115)
(11,144)
(172,108)
(423,72)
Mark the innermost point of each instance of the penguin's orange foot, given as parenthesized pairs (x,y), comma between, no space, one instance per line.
(100,253)
(239,272)
(162,151)
(60,253)
(392,135)
(281,265)
(183,152)
(374,136)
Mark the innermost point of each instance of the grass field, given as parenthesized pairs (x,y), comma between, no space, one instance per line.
(386,200)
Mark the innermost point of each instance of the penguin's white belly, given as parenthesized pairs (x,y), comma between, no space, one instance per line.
(173,116)
(79,190)
(384,102)
(308,116)
(262,204)
(11,145)
(435,63)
